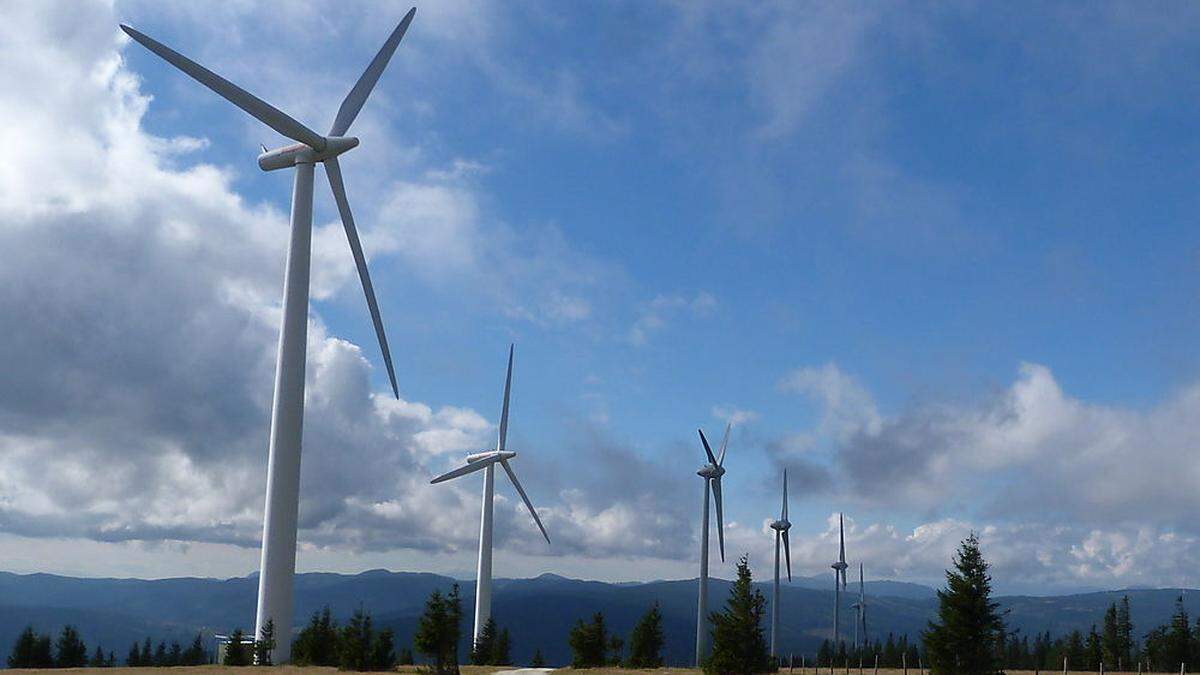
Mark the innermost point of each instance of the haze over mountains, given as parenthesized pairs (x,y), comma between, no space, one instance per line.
(538,611)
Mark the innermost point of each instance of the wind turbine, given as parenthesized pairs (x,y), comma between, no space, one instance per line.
(781,528)
(711,473)
(278,565)
(487,461)
(861,607)
(839,580)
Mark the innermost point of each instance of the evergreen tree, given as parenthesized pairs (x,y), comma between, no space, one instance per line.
(355,646)
(502,652)
(195,655)
(1178,644)
(146,659)
(964,637)
(70,650)
(31,650)
(1110,637)
(383,651)
(134,658)
(538,661)
(438,630)
(160,655)
(485,644)
(236,653)
(405,658)
(264,645)
(738,644)
(175,655)
(589,643)
(825,654)
(1124,632)
(97,660)
(646,640)
(317,644)
(1095,649)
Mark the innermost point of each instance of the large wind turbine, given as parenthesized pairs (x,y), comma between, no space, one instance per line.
(839,581)
(487,461)
(861,607)
(711,473)
(287,409)
(781,528)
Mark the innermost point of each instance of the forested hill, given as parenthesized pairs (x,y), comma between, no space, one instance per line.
(539,612)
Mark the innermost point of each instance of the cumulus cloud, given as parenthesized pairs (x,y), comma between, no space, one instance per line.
(655,315)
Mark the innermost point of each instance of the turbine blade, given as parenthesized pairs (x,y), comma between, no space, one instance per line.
(502,442)
(334,172)
(724,444)
(260,109)
(366,82)
(716,489)
(787,554)
(707,450)
(524,497)
(783,512)
(464,470)
(842,540)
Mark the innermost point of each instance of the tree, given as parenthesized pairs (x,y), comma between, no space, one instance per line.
(264,646)
(160,655)
(1110,639)
(963,640)
(70,650)
(738,644)
(485,644)
(317,644)
(1124,632)
(383,651)
(1178,643)
(98,660)
(146,658)
(31,650)
(354,649)
(195,654)
(236,653)
(646,640)
(134,658)
(405,658)
(502,652)
(175,655)
(538,661)
(438,630)
(589,643)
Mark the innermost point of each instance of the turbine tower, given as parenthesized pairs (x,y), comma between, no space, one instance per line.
(781,528)
(278,565)
(487,461)
(711,473)
(839,581)
(861,608)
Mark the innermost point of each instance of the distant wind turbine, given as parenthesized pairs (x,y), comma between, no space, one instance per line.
(839,581)
(861,607)
(487,461)
(278,566)
(711,473)
(781,528)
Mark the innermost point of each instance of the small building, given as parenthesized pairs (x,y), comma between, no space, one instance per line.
(223,643)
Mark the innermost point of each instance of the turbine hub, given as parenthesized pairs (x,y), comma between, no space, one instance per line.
(781,525)
(839,566)
(299,153)
(711,471)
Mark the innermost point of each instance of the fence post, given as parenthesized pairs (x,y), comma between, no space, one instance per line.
(1064,665)
(904,661)
(1101,668)
(877,664)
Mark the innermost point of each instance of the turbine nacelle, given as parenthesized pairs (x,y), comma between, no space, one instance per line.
(711,471)
(781,525)
(490,454)
(301,153)
(840,566)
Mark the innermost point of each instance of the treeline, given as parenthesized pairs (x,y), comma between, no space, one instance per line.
(36,650)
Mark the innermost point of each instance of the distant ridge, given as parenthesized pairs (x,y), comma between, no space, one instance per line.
(538,611)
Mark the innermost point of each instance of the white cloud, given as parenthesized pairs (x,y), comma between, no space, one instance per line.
(654,316)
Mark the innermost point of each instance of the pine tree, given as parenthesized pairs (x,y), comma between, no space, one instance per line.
(963,639)
(1125,631)
(405,658)
(1178,644)
(175,655)
(194,655)
(97,660)
(1095,650)
(70,650)
(538,661)
(383,651)
(146,659)
(236,653)
(1111,637)
(160,655)
(589,643)
(646,640)
(264,645)
(738,644)
(485,644)
(355,645)
(317,643)
(31,650)
(502,652)
(134,658)
(438,630)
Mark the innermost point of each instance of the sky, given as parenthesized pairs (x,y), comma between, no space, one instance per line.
(937,260)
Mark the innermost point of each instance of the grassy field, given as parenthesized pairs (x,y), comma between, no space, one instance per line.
(466,670)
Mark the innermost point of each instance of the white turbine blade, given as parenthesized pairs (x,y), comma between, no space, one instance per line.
(842,540)
(787,554)
(716,489)
(502,441)
(260,109)
(707,450)
(783,512)
(464,470)
(366,82)
(524,497)
(724,444)
(334,172)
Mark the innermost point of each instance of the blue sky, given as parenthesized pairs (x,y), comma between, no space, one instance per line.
(937,260)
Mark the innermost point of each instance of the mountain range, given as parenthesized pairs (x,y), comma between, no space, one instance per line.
(539,612)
